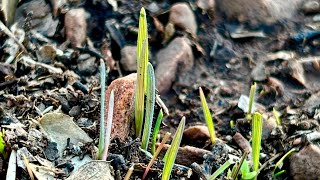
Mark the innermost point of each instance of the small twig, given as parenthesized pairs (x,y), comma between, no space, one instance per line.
(269,161)
(50,68)
(130,170)
(9,33)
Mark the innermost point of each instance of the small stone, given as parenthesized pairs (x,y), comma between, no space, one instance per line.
(47,54)
(242,142)
(129,58)
(311,7)
(206,4)
(182,16)
(87,67)
(76,27)
(305,164)
(123,111)
(75,111)
(196,134)
(177,52)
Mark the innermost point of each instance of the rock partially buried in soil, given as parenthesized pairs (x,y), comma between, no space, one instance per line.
(196,134)
(76,27)
(305,164)
(123,106)
(177,53)
(182,16)
(93,170)
(311,7)
(187,154)
(258,11)
(129,58)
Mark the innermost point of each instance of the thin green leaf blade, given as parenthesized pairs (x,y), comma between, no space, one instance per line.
(109,126)
(150,101)
(173,150)
(256,139)
(207,116)
(102,99)
(143,38)
(156,131)
(220,170)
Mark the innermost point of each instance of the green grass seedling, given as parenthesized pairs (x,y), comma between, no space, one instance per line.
(207,116)
(221,170)
(282,159)
(256,139)
(156,131)
(173,150)
(150,101)
(251,101)
(245,171)
(102,98)
(142,62)
(277,116)
(109,126)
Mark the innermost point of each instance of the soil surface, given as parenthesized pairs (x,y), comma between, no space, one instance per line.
(50,85)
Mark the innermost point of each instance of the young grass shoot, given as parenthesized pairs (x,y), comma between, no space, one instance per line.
(221,169)
(109,126)
(207,116)
(102,98)
(256,139)
(251,101)
(150,101)
(156,131)
(172,151)
(142,62)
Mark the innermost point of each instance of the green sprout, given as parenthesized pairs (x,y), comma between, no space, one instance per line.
(237,167)
(207,116)
(142,62)
(251,101)
(221,169)
(2,146)
(173,150)
(150,101)
(277,116)
(156,131)
(281,161)
(109,126)
(103,89)
(245,171)
(256,139)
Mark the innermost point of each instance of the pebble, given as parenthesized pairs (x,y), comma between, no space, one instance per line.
(76,27)
(75,111)
(129,58)
(178,52)
(87,67)
(197,133)
(123,112)
(304,165)
(206,4)
(182,16)
(311,7)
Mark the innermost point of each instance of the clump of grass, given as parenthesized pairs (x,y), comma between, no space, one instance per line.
(172,151)
(142,62)
(156,131)
(207,116)
(256,139)
(245,171)
(102,99)
(150,101)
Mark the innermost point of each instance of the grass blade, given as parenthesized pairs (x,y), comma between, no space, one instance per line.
(277,116)
(282,159)
(150,101)
(128,175)
(103,89)
(207,116)
(109,126)
(156,131)
(256,139)
(220,170)
(173,150)
(251,99)
(143,42)
(155,155)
